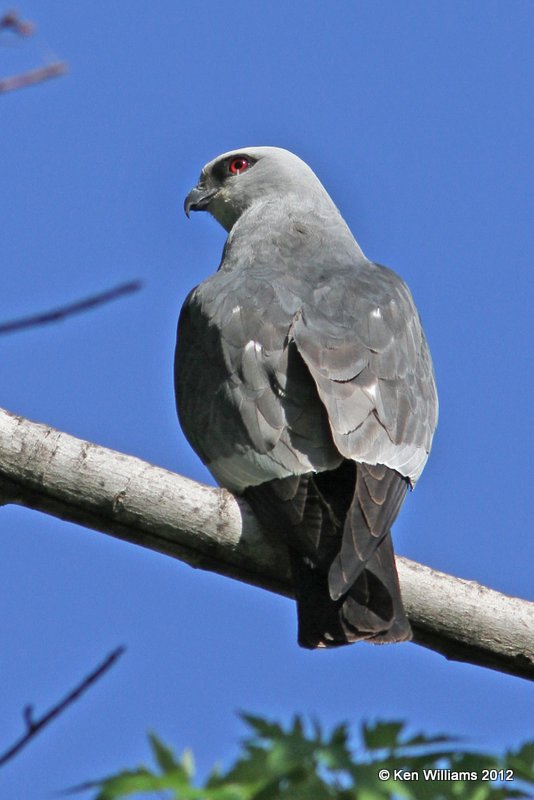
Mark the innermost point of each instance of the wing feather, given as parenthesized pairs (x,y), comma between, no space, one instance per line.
(373,371)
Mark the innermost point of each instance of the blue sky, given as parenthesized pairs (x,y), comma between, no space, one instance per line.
(418,118)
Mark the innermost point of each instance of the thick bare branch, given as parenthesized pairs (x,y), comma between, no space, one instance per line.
(117,494)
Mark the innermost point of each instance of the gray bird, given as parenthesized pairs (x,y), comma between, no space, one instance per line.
(304,383)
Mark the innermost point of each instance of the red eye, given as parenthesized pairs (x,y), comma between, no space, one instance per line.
(238,165)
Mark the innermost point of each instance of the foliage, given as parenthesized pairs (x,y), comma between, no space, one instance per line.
(303,763)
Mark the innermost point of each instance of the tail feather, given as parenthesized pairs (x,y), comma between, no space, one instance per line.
(371,610)
(377,496)
(336,525)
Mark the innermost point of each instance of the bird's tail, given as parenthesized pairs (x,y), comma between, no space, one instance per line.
(336,525)
(370,610)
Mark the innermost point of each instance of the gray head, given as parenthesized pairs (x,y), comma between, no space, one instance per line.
(236,180)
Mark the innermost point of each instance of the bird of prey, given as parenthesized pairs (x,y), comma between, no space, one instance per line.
(304,382)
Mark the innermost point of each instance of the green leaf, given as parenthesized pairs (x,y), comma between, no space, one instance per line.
(340,735)
(128,783)
(526,753)
(521,761)
(427,741)
(382,735)
(163,755)
(372,794)
(297,728)
(299,762)
(266,730)
(122,784)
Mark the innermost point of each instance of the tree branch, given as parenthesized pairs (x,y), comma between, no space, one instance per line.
(33,726)
(12,22)
(32,76)
(50,471)
(79,306)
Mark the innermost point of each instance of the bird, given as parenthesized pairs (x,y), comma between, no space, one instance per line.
(304,382)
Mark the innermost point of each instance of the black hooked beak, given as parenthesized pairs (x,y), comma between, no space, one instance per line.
(198,199)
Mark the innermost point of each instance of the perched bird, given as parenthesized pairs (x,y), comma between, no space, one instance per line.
(304,383)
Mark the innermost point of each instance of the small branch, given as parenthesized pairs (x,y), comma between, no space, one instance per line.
(50,471)
(12,22)
(33,726)
(60,313)
(33,76)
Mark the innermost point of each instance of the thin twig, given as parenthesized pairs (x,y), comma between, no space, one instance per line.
(20,27)
(33,76)
(12,22)
(35,725)
(60,313)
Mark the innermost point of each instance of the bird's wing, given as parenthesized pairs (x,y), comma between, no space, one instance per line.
(245,398)
(365,348)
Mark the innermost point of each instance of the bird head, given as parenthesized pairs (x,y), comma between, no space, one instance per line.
(236,180)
